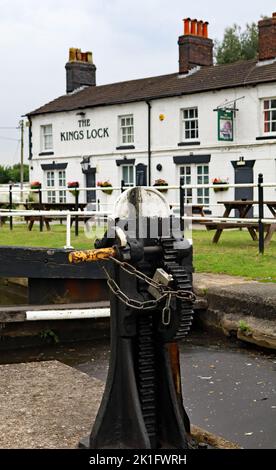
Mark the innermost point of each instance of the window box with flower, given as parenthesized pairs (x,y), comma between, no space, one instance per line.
(220,181)
(161,182)
(35,195)
(105,186)
(73,186)
(35,185)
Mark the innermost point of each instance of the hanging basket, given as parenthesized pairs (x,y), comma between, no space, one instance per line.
(162,190)
(74,192)
(107,190)
(217,190)
(73,188)
(35,186)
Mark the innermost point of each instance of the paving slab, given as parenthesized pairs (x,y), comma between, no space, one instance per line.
(49,405)
(46,405)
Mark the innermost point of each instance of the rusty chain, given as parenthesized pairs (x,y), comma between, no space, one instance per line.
(165,292)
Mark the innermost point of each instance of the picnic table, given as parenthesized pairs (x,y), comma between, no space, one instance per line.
(243,207)
(48,206)
(197,209)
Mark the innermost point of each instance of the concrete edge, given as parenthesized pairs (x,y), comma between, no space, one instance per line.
(260,332)
(212,440)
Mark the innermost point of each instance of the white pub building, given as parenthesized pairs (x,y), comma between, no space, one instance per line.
(203,123)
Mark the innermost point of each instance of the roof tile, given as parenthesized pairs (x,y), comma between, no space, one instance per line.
(216,77)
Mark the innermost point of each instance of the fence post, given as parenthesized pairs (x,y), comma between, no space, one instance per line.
(40,208)
(10,205)
(68,232)
(77,209)
(261,212)
(181,202)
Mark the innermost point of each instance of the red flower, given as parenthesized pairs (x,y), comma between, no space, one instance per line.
(73,184)
(35,184)
(104,184)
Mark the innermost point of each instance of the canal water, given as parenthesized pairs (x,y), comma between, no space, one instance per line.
(229,388)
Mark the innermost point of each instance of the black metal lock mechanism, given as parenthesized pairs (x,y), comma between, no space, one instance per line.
(148,265)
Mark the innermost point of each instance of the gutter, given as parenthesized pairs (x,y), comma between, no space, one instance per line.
(30,138)
(149,142)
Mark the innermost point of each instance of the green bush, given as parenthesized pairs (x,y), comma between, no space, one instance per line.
(12,173)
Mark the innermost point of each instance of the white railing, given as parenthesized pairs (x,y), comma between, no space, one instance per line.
(180,204)
(55,214)
(120,188)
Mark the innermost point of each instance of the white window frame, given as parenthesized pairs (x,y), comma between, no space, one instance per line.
(126,130)
(128,183)
(56,179)
(193,176)
(203,194)
(61,176)
(265,119)
(185,124)
(46,131)
(185,173)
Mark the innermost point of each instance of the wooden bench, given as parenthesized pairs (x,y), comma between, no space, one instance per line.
(252,228)
(31,219)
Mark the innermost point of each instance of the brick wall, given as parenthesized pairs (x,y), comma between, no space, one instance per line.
(193,51)
(267,38)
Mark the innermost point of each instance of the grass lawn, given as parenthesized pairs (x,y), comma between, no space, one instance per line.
(235,254)
(56,238)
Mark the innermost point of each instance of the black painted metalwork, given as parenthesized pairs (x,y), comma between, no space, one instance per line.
(142,405)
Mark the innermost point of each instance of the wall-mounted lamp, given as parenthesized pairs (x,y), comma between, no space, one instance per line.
(85,164)
(159,167)
(241,162)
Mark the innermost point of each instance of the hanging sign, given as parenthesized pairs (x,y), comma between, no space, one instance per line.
(225,125)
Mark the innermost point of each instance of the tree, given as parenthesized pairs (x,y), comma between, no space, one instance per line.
(12,173)
(237,44)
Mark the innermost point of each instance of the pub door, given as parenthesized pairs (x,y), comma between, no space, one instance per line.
(244,173)
(91,183)
(141,175)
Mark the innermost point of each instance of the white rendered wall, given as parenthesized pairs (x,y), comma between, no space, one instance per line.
(165,138)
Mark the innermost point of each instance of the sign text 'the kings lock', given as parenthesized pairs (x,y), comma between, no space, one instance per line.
(84,133)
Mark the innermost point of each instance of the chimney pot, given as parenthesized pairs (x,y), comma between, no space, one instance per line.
(187,26)
(193,27)
(200,28)
(205,29)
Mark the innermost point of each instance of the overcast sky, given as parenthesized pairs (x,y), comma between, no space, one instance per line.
(128,38)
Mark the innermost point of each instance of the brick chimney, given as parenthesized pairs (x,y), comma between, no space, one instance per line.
(80,70)
(267,38)
(195,48)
